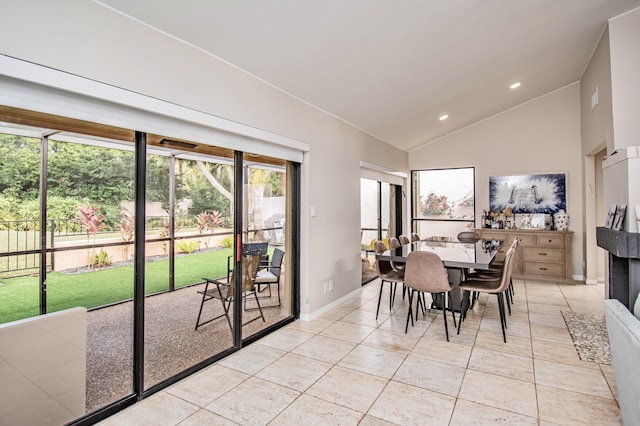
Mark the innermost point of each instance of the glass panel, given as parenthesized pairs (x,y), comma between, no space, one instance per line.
(201,200)
(19,226)
(368,212)
(388,228)
(89,186)
(264,224)
(446,199)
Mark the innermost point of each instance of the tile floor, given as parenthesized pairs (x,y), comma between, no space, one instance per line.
(347,368)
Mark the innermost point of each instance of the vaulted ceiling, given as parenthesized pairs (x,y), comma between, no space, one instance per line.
(393,68)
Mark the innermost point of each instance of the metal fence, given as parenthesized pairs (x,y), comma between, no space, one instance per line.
(24,236)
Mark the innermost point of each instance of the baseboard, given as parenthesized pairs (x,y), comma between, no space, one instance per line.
(327,308)
(579,278)
(590,281)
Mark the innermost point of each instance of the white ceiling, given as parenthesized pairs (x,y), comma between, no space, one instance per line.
(391,68)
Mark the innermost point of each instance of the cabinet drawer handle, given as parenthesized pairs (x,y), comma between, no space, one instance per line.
(542,254)
(543,269)
(550,240)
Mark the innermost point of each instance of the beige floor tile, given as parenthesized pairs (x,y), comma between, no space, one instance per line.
(354,333)
(582,292)
(408,405)
(551,334)
(499,392)
(431,375)
(374,421)
(294,371)
(324,349)
(502,364)
(543,308)
(586,307)
(568,377)
(337,313)
(560,352)
(253,402)
(158,409)
(514,328)
(469,413)
(391,341)
(206,418)
(436,331)
(396,323)
(311,411)
(609,376)
(445,352)
(285,339)
(515,345)
(378,362)
(558,301)
(314,326)
(550,320)
(252,358)
(366,318)
(344,386)
(572,408)
(207,385)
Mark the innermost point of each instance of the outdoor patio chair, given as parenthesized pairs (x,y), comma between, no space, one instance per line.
(271,275)
(224,290)
(261,247)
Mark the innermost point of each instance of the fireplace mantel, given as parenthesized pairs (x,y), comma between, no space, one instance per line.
(624,263)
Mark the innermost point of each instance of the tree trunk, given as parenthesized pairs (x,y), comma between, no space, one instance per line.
(216,185)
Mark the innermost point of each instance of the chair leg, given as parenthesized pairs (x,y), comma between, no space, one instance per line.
(506,297)
(204,295)
(379,297)
(444,315)
(409,314)
(463,308)
(258,302)
(502,316)
(453,312)
(392,294)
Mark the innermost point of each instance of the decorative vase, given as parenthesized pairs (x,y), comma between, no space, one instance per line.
(561,220)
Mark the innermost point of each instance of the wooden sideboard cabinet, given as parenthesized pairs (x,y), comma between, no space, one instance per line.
(542,255)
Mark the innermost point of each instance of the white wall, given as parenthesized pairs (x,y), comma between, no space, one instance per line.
(88,40)
(624,34)
(542,135)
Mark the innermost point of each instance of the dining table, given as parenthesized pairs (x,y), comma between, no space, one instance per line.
(457,257)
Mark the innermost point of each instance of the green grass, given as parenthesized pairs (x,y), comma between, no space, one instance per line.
(19,296)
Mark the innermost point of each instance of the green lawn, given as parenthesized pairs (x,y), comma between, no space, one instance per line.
(19,296)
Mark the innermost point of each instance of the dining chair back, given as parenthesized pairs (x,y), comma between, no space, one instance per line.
(386,273)
(425,273)
(403,239)
(394,243)
(415,237)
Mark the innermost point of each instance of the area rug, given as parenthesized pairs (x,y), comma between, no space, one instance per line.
(590,337)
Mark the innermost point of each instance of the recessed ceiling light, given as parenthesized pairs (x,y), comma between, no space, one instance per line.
(515,85)
(444,117)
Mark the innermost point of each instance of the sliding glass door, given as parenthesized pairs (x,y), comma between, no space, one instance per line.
(133,239)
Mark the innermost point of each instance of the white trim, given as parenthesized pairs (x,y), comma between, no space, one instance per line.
(383,174)
(578,278)
(38,88)
(327,308)
(590,281)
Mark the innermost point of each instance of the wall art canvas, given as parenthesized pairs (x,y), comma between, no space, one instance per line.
(533,193)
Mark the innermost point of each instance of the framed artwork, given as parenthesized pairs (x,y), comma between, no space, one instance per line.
(532,193)
(611,216)
(618,221)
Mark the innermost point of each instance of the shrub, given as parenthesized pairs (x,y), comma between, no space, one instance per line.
(101,259)
(227,242)
(187,246)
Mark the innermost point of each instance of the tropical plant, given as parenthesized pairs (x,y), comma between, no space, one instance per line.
(207,222)
(226,242)
(126,229)
(101,259)
(434,204)
(187,246)
(91,222)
